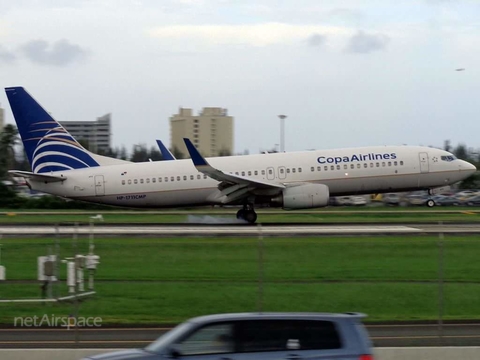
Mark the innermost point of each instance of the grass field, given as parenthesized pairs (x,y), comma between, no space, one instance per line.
(327,215)
(167,280)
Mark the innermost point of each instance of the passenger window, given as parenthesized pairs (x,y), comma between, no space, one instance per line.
(282,170)
(243,173)
(256,172)
(123,182)
(166,179)
(371,165)
(274,335)
(192,177)
(325,168)
(249,173)
(288,171)
(178,178)
(263,172)
(401,163)
(141,181)
(148,181)
(270,171)
(184,177)
(154,180)
(129,182)
(352,166)
(172,178)
(135,181)
(345,167)
(199,176)
(312,169)
(389,163)
(293,170)
(319,168)
(332,167)
(236,173)
(338,167)
(299,169)
(365,165)
(359,166)
(378,164)
(395,163)
(383,163)
(211,339)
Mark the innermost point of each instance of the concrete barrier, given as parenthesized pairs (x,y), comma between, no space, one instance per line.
(415,353)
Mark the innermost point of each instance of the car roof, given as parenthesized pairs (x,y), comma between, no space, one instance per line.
(277,316)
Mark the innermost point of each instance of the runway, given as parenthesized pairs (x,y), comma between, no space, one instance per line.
(385,335)
(173,230)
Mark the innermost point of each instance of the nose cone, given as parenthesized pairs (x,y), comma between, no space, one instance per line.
(467,167)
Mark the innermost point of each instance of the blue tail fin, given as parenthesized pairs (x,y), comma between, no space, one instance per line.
(166,154)
(48,145)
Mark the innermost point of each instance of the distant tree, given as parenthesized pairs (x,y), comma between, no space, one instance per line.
(224,152)
(177,153)
(8,140)
(155,154)
(140,153)
(122,153)
(447,146)
(85,143)
(461,152)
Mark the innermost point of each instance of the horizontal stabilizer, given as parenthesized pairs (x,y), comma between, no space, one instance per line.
(37,177)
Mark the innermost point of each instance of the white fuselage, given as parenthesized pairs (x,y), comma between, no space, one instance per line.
(345,172)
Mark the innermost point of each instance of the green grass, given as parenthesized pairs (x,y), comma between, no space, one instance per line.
(326,215)
(169,280)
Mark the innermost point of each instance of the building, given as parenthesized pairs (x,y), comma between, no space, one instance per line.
(211,131)
(96,133)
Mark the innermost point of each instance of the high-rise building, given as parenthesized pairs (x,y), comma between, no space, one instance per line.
(96,133)
(211,131)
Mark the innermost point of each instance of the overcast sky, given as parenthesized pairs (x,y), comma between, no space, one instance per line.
(345,72)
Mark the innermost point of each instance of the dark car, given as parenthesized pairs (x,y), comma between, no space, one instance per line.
(444,200)
(260,335)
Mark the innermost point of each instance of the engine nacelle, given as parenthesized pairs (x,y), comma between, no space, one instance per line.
(305,196)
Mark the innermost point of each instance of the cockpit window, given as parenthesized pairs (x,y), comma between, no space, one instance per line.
(448,157)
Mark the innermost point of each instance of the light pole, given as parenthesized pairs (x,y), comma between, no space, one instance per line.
(282,132)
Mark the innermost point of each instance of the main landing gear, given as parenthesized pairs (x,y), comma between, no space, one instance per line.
(430,202)
(247,214)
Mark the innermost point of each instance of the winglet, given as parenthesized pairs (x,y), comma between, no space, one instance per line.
(166,154)
(197,158)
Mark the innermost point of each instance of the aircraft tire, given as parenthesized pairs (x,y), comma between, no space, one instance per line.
(250,216)
(430,203)
(241,214)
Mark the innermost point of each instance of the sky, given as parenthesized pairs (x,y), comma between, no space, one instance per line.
(346,73)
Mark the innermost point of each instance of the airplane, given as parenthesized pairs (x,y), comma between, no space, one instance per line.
(293,180)
(166,154)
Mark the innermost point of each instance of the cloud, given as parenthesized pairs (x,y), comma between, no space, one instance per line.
(252,34)
(362,43)
(6,56)
(60,53)
(316,40)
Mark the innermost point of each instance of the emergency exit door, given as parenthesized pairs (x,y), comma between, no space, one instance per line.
(99,185)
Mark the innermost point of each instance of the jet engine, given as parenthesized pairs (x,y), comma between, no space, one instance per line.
(304,196)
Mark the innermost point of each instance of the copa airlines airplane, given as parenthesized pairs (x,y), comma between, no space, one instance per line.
(296,180)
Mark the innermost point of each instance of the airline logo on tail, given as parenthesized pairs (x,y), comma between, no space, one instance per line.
(48,145)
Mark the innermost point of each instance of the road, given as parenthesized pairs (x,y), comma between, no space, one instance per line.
(172,230)
(385,335)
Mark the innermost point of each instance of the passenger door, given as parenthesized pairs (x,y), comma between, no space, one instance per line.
(270,173)
(282,172)
(99,185)
(423,157)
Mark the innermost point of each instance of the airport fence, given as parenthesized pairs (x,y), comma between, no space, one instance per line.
(161,281)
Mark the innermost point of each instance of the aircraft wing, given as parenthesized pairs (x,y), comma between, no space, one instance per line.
(37,177)
(204,167)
